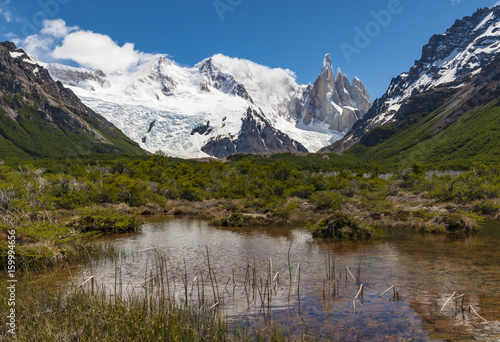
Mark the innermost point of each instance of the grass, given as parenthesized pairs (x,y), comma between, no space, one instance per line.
(45,242)
(49,311)
(31,136)
(105,221)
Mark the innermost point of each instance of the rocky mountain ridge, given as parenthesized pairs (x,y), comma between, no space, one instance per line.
(42,118)
(448,62)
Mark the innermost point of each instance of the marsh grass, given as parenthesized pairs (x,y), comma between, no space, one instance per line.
(44,240)
(49,309)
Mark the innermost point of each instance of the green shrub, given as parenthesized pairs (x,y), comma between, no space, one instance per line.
(459,222)
(105,221)
(486,207)
(241,220)
(327,200)
(341,226)
(301,191)
(282,212)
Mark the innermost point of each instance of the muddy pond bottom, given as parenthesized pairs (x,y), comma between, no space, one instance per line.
(402,287)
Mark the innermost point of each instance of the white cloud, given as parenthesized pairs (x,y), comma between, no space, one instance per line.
(57,28)
(37,45)
(7,15)
(455,2)
(57,41)
(97,51)
(10,35)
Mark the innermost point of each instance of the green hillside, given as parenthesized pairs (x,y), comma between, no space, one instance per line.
(30,135)
(475,137)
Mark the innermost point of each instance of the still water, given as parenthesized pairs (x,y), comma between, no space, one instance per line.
(256,275)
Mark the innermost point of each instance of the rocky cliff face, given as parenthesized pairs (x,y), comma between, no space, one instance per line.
(40,117)
(449,61)
(214,77)
(333,102)
(76,77)
(257,135)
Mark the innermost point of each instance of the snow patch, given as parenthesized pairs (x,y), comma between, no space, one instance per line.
(14,54)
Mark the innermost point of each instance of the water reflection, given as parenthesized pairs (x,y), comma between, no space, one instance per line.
(425,271)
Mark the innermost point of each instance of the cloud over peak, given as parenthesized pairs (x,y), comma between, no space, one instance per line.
(57,41)
(97,51)
(57,28)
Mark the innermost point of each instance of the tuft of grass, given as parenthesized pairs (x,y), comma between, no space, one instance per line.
(105,221)
(41,246)
(341,226)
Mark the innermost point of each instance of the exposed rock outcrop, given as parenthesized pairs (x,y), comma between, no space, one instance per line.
(332,102)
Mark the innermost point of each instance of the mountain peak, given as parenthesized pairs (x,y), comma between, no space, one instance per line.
(331,103)
(327,61)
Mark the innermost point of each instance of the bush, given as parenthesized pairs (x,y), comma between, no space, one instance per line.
(459,223)
(105,221)
(241,220)
(486,207)
(327,200)
(282,212)
(341,226)
(301,191)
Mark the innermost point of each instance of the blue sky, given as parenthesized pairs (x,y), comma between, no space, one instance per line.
(292,34)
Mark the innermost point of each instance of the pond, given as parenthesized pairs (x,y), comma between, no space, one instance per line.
(334,290)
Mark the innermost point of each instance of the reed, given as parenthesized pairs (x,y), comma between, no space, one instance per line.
(157,311)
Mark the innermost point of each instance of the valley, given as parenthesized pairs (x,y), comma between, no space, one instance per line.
(223,200)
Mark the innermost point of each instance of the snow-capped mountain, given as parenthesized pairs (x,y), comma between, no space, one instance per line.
(332,102)
(449,60)
(220,106)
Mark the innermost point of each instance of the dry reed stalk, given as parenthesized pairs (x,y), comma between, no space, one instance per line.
(210,274)
(91,267)
(298,284)
(358,274)
(359,292)
(454,293)
(185,282)
(348,270)
(296,273)
(70,275)
(289,271)
(79,286)
(390,288)
(475,312)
